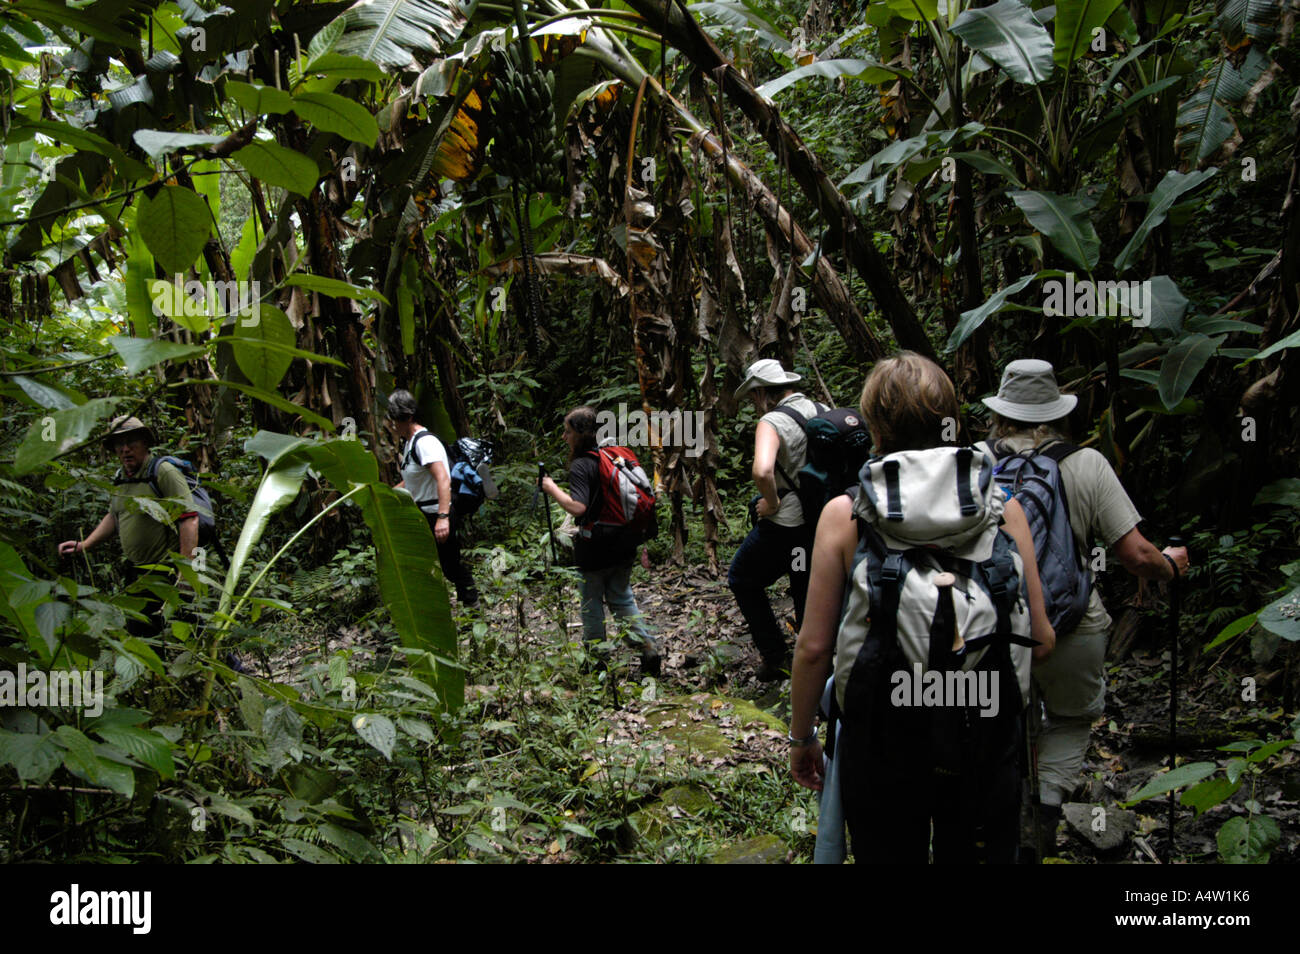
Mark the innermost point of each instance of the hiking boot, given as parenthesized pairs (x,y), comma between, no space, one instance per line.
(774,669)
(467,597)
(650,660)
(1049,817)
(234,662)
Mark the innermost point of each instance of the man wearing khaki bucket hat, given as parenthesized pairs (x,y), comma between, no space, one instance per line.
(146,541)
(1029,417)
(780,543)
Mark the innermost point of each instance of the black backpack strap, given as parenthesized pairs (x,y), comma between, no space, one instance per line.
(1059,450)
(803,426)
(410,446)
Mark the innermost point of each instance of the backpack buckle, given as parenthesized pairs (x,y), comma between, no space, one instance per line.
(892,569)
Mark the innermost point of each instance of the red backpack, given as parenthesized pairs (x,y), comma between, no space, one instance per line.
(627,498)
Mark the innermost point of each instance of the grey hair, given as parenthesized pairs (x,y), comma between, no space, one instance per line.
(401,405)
(1001,428)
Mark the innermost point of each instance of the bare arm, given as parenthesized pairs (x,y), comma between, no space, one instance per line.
(189,532)
(105,529)
(1040,627)
(1142,559)
(766,444)
(832,553)
(563,499)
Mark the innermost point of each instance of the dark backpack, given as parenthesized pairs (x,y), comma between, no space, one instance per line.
(202,499)
(838,445)
(1033,477)
(467,466)
(627,498)
(471,479)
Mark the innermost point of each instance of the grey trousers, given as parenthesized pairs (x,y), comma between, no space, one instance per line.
(1072,683)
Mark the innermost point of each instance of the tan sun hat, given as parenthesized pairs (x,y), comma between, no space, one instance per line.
(125,426)
(765,373)
(1029,393)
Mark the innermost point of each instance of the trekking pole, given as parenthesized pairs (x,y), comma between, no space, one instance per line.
(1174,610)
(550,530)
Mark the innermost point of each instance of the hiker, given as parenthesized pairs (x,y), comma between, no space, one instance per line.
(146,541)
(604,554)
(780,544)
(1029,413)
(924,508)
(426,476)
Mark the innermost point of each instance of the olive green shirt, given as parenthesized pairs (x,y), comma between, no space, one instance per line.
(145,538)
(790,455)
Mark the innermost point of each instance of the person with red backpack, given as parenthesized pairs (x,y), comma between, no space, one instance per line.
(613,504)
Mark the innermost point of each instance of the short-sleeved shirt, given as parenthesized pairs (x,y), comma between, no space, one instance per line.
(145,538)
(419,479)
(1100,509)
(790,456)
(596,547)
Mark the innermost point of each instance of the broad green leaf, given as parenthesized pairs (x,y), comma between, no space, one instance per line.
(1168,781)
(1168,305)
(324,39)
(264,367)
(305,850)
(81,759)
(279,166)
(1181,366)
(1285,492)
(378,731)
(242,255)
(985,162)
(157,143)
(46,395)
(148,747)
(971,320)
(342,462)
(1269,750)
(272,446)
(279,486)
(350,843)
(869,71)
(1209,325)
(1208,793)
(21,616)
(140,353)
(282,731)
(1064,220)
(139,278)
(913,9)
(144,654)
(1249,840)
(59,432)
(1290,341)
(333,287)
(34,757)
(337,66)
(175,224)
(1075,21)
(259,100)
(1009,35)
(1205,122)
(98,23)
(742,16)
(333,113)
(1235,628)
(1167,192)
(411,582)
(392,32)
(278,347)
(407,288)
(1282,616)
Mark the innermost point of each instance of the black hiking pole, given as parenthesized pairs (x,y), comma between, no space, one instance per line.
(1174,610)
(550,530)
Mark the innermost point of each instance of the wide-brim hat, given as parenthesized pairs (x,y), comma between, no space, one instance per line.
(126,426)
(766,373)
(1029,393)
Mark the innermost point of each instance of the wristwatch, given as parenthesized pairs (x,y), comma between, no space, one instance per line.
(444,516)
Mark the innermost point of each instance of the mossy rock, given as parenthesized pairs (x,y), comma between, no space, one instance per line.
(763,850)
(653,823)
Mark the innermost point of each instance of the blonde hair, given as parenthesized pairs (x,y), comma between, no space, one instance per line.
(907,400)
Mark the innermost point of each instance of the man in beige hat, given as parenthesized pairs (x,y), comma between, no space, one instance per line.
(146,541)
(780,543)
(1029,413)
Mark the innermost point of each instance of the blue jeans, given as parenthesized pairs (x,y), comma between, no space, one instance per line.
(612,586)
(765,555)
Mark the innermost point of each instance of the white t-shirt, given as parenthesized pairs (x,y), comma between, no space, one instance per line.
(415,469)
